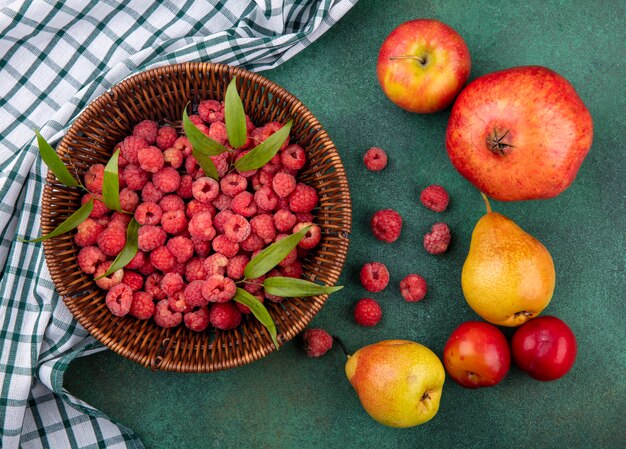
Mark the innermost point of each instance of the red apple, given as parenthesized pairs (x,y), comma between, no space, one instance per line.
(477,355)
(422,65)
(519,134)
(544,347)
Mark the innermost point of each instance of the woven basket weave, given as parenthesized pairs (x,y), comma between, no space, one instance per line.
(161,94)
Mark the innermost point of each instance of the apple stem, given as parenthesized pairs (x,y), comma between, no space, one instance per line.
(486,200)
(341,346)
(417,58)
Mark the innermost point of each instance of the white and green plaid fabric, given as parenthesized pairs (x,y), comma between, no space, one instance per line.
(56,57)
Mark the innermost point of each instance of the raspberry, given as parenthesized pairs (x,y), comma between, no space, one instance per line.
(236,265)
(211,111)
(438,239)
(237,228)
(166,137)
(198,320)
(223,245)
(185,189)
(147,268)
(150,237)
(205,189)
(171,202)
(194,271)
(201,247)
(134,177)
(293,270)
(367,312)
(167,180)
(119,299)
(130,146)
(152,286)
(181,247)
(252,243)
(89,257)
(203,128)
(311,238)
(178,268)
(413,288)
(261,134)
(201,226)
(99,208)
(191,165)
(243,204)
(273,166)
(386,225)
(174,221)
(150,193)
(435,198)
(196,119)
(182,144)
(94,177)
(147,130)
(217,132)
(222,202)
(266,199)
(283,184)
(128,200)
(137,261)
(218,288)
(215,264)
(303,199)
(178,302)
(103,221)
(222,163)
(112,240)
(173,157)
(133,279)
(221,218)
(109,281)
(291,257)
(148,213)
(293,157)
(375,159)
(284,220)
(245,174)
(254,285)
(195,207)
(317,342)
(162,258)
(118,218)
(245,309)
(263,226)
(142,306)
(262,178)
(233,184)
(225,316)
(87,232)
(150,159)
(304,217)
(374,276)
(164,317)
(172,283)
(193,293)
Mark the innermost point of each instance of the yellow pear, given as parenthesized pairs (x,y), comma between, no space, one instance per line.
(399,382)
(508,276)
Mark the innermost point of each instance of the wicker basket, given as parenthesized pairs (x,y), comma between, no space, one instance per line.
(161,94)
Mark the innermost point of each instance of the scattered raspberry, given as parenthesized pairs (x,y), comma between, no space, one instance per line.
(225,315)
(435,198)
(263,226)
(245,174)
(87,232)
(89,257)
(205,189)
(211,111)
(147,130)
(293,270)
(283,184)
(222,163)
(133,279)
(236,265)
(134,177)
(237,228)
(221,218)
(109,281)
(304,217)
(254,285)
(252,243)
(174,222)
(223,202)
(147,268)
(311,238)
(217,132)
(167,180)
(218,288)
(181,247)
(196,119)
(172,283)
(243,204)
(223,245)
(303,199)
(233,184)
(112,240)
(266,199)
(130,146)
(374,276)
(198,320)
(118,218)
(284,220)
(386,225)
(137,261)
(193,293)
(367,312)
(438,239)
(191,166)
(119,299)
(142,306)
(194,207)
(94,177)
(150,193)
(150,237)
(375,159)
(162,258)
(178,268)
(99,208)
(201,247)
(166,137)
(152,286)
(262,178)
(178,302)
(194,271)
(215,264)
(293,157)
(245,309)
(148,213)
(413,288)
(164,317)
(185,189)
(317,342)
(182,144)
(171,203)
(201,226)
(150,159)
(128,200)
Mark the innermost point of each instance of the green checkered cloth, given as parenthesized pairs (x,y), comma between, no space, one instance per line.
(56,57)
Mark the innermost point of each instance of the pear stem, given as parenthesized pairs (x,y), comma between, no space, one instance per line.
(341,346)
(486,200)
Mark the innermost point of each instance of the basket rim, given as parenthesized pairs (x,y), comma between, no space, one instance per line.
(153,357)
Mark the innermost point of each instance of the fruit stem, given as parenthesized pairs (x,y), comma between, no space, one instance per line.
(417,58)
(486,200)
(341,346)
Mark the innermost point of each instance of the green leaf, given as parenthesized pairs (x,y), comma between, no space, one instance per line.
(54,163)
(265,151)
(291,287)
(234,116)
(202,147)
(72,221)
(129,250)
(258,310)
(111,184)
(273,255)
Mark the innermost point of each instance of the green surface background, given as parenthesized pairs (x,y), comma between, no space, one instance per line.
(289,401)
